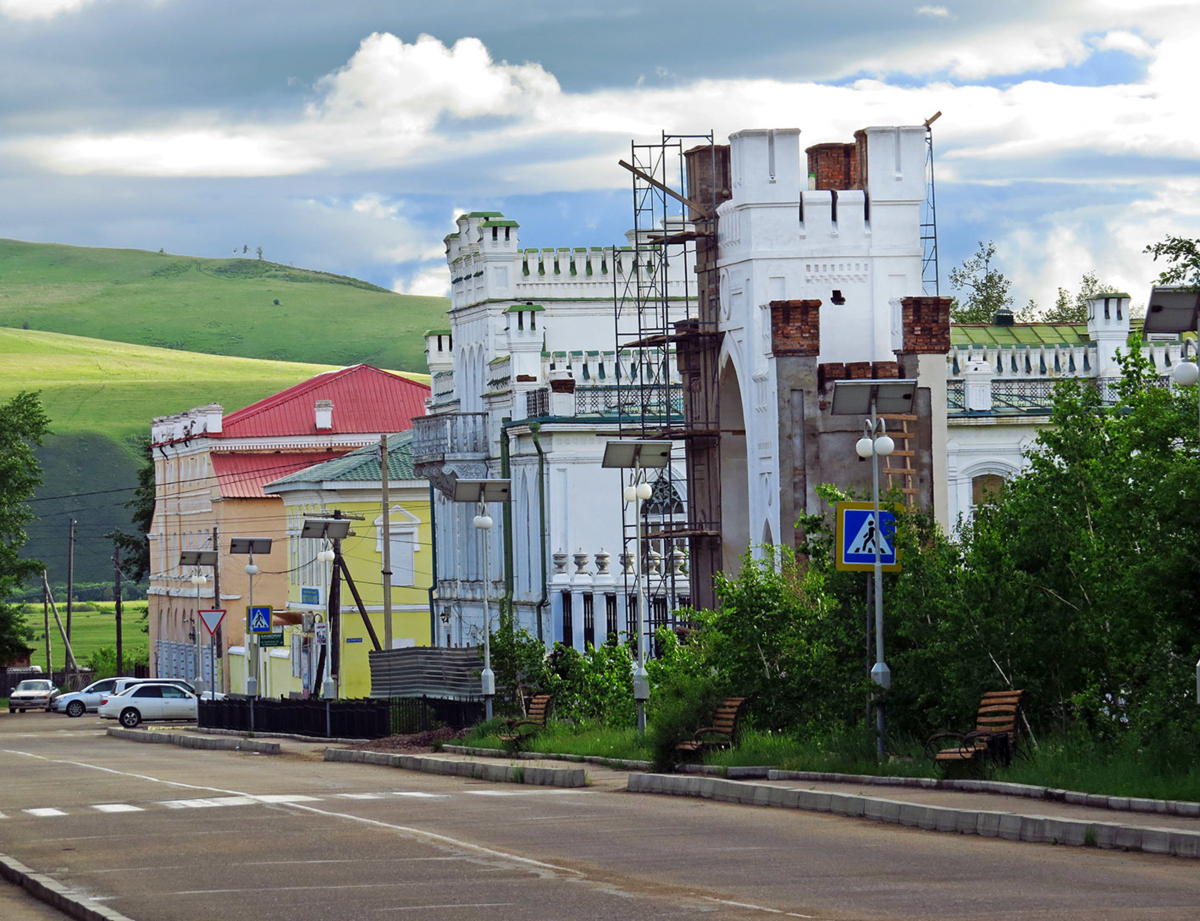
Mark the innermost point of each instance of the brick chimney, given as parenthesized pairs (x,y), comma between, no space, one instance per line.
(833,166)
(926,325)
(796,328)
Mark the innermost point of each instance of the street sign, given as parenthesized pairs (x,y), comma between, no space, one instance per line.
(856,537)
(258,620)
(321,631)
(212,620)
(267,640)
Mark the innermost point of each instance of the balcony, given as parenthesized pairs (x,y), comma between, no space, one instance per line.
(449,436)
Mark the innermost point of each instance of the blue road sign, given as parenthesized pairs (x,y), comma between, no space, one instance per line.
(856,537)
(258,620)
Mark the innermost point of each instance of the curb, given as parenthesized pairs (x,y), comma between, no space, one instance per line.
(1010,826)
(620,763)
(186,741)
(495,773)
(293,736)
(55,894)
(1181,808)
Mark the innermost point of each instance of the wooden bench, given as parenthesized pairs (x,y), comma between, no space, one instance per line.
(993,739)
(723,733)
(535,717)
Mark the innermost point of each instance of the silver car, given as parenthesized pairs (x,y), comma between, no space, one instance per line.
(31,694)
(77,703)
(149,700)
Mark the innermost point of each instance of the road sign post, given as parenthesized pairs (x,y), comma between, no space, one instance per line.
(212,623)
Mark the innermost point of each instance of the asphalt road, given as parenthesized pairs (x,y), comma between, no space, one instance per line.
(158,832)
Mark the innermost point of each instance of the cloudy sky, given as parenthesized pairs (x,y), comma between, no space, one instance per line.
(344,136)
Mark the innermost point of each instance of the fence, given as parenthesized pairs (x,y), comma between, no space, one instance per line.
(345,719)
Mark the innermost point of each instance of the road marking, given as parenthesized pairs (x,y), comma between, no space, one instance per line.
(418,795)
(362,795)
(526,792)
(117,807)
(284,798)
(771,911)
(450,905)
(210,802)
(44,813)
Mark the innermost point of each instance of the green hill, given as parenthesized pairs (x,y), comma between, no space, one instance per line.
(243,307)
(101,397)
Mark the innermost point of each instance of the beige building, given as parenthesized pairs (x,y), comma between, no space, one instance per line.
(209,473)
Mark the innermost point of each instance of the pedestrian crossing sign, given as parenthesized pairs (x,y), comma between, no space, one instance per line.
(258,620)
(855,537)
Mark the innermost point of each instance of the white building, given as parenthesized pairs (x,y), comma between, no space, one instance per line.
(527,385)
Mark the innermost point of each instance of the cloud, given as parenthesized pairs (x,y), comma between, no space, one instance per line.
(430,283)
(39,9)
(933,12)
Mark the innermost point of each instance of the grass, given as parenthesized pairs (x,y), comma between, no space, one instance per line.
(241,306)
(1120,770)
(90,630)
(101,397)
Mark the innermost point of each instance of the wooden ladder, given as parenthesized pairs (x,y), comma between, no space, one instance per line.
(897,424)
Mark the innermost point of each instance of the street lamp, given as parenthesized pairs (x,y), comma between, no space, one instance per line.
(200,558)
(870,398)
(1177,310)
(640,456)
(483,492)
(248,546)
(333,531)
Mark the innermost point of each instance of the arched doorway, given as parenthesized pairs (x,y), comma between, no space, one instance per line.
(735,488)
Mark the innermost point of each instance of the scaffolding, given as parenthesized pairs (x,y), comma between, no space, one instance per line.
(661,318)
(929,254)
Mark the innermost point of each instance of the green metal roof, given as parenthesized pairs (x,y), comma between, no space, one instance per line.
(518,308)
(496,223)
(436,332)
(964,334)
(360,466)
(485,214)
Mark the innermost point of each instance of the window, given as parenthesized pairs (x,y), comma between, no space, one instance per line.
(589,620)
(173,692)
(403,544)
(148,692)
(568,631)
(986,488)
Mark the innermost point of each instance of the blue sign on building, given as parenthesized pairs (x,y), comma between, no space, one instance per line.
(856,537)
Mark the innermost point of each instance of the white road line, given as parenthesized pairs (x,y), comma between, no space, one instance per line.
(417,795)
(362,795)
(117,807)
(44,813)
(285,798)
(417,833)
(450,905)
(527,792)
(210,802)
(770,911)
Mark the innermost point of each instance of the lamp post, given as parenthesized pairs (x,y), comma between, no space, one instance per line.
(332,531)
(248,546)
(640,456)
(1177,310)
(483,492)
(200,558)
(870,398)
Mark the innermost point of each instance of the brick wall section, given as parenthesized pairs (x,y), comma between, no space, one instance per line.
(926,324)
(858,370)
(861,160)
(885,369)
(796,328)
(834,165)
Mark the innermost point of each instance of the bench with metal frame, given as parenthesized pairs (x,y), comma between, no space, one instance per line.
(994,739)
(535,719)
(724,732)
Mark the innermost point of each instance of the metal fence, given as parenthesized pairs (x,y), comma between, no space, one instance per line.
(339,719)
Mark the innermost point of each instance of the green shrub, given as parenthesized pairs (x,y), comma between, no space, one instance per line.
(680,703)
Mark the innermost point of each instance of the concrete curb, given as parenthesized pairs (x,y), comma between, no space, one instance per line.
(186,741)
(55,894)
(494,773)
(294,736)
(1182,808)
(619,763)
(1035,829)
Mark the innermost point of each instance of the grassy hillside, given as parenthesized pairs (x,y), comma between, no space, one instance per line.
(240,307)
(101,397)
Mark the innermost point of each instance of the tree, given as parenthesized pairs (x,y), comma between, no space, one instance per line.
(23,425)
(135,545)
(986,289)
(1074,309)
(258,249)
(1183,256)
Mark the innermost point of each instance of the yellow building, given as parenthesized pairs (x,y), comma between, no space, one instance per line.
(351,487)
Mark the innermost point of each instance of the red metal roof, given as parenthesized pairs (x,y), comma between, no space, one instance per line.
(365,400)
(242,476)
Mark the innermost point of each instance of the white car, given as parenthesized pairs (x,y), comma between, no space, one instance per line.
(31,694)
(150,700)
(76,703)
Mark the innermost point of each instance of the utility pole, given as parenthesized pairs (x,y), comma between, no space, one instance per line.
(70,575)
(46,621)
(117,602)
(216,649)
(335,612)
(387,543)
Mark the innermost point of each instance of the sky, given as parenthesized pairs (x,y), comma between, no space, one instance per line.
(346,136)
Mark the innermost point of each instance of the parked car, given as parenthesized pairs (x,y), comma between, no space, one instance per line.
(76,703)
(189,687)
(150,700)
(32,694)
